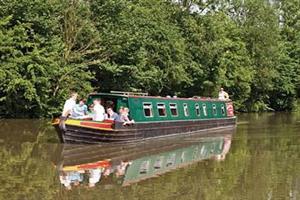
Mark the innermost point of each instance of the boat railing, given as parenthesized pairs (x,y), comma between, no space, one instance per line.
(130,93)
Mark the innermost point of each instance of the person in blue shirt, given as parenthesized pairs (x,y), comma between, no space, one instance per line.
(79,111)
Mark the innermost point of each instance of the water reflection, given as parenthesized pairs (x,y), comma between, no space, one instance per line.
(71,177)
(263,162)
(125,164)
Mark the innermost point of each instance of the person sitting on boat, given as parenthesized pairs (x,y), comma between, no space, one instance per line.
(80,110)
(121,169)
(69,104)
(99,111)
(223,95)
(124,116)
(112,115)
(71,177)
(94,176)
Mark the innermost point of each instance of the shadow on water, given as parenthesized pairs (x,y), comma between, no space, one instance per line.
(259,161)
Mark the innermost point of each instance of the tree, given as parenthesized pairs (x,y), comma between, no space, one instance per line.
(32,64)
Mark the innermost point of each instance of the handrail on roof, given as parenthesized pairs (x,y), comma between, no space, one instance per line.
(130,93)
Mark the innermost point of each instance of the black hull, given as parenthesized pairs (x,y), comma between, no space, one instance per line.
(141,131)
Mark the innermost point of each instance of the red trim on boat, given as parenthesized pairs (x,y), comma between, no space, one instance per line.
(109,121)
(97,125)
(95,165)
(229,108)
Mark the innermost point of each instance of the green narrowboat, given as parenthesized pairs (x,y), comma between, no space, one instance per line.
(154,116)
(131,163)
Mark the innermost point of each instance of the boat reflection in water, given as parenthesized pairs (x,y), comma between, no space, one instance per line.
(88,166)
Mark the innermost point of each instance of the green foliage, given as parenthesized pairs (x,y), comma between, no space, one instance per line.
(48,49)
(146,51)
(35,77)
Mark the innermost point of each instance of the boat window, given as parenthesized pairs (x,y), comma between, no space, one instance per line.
(182,159)
(214,109)
(147,109)
(158,162)
(195,152)
(173,108)
(197,108)
(185,109)
(223,110)
(161,109)
(171,160)
(203,150)
(204,109)
(144,167)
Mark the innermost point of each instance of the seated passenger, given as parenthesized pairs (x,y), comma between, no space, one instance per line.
(94,176)
(112,115)
(71,177)
(124,116)
(80,110)
(121,169)
(98,110)
(223,95)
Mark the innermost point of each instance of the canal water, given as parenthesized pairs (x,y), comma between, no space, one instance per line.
(260,159)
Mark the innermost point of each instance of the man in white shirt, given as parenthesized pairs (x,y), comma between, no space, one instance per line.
(69,104)
(223,95)
(65,180)
(94,176)
(99,112)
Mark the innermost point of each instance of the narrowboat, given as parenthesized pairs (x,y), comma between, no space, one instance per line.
(141,161)
(154,117)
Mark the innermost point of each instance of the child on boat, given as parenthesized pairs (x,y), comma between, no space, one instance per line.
(124,116)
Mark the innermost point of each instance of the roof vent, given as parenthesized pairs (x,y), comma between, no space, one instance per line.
(130,93)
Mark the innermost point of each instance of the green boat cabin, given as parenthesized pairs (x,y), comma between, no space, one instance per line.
(151,109)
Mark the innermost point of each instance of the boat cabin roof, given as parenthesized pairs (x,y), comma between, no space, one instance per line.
(145,95)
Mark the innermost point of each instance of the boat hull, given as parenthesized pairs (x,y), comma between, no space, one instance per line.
(136,132)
